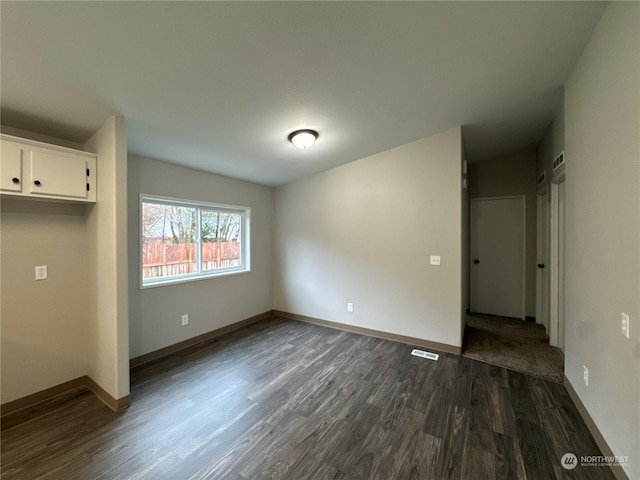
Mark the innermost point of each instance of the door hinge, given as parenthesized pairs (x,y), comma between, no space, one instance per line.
(88,172)
(88,187)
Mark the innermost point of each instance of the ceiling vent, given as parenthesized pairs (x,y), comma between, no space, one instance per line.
(559,161)
(423,354)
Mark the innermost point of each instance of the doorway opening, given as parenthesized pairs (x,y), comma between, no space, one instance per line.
(496,332)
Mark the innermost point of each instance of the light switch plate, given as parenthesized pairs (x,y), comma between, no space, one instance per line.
(435,259)
(41,272)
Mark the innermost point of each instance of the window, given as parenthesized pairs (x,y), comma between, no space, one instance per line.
(184,241)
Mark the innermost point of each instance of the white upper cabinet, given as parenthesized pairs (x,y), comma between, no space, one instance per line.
(38,170)
(11,179)
(57,173)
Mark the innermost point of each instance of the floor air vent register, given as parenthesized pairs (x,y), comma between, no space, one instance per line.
(423,354)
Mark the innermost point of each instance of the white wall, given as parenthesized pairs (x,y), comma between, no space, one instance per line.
(43,322)
(363,233)
(551,145)
(39,137)
(106,280)
(212,303)
(602,131)
(513,174)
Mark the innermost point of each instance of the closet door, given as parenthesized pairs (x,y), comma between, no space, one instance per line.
(497,256)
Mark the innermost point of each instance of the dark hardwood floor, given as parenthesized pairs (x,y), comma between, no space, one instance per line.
(283,399)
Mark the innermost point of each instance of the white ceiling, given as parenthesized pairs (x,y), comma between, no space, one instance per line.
(219,86)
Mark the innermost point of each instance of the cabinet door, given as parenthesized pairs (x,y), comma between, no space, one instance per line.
(58,173)
(11,167)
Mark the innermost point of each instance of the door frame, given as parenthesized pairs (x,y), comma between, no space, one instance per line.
(554,265)
(524,243)
(542,303)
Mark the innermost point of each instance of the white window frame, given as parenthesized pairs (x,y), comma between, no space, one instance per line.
(199,274)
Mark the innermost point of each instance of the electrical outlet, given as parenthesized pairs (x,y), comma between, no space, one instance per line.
(585,372)
(41,272)
(185,319)
(350,307)
(625,321)
(435,259)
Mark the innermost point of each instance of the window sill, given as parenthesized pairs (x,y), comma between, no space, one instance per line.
(191,278)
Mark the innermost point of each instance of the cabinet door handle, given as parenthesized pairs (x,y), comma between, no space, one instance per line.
(37,182)
(15,180)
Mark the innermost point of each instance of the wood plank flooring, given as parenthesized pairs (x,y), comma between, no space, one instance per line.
(284,399)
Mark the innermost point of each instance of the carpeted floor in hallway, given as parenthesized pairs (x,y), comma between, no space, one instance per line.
(514,344)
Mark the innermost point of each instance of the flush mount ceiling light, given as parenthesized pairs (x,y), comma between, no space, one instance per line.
(303,139)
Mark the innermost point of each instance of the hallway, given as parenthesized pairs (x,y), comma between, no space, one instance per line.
(514,344)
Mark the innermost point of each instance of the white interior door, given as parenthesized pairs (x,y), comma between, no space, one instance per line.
(542,276)
(498,256)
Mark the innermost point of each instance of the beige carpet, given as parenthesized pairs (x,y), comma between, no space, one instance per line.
(513,344)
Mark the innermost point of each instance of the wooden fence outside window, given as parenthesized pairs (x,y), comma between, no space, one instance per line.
(168,259)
